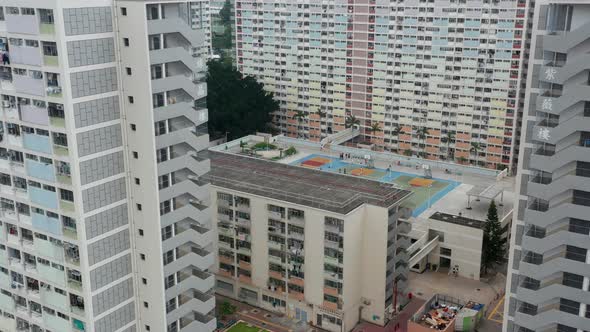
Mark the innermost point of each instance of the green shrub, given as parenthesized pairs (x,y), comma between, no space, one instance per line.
(264,146)
(290,151)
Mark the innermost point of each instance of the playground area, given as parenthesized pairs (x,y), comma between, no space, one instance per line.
(426,190)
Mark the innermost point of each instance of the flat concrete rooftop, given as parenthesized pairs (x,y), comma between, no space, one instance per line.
(298,185)
(459,220)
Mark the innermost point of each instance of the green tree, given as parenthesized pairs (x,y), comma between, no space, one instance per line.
(462,160)
(226,309)
(299,116)
(225,13)
(450,137)
(352,122)
(237,104)
(493,247)
(421,133)
(375,127)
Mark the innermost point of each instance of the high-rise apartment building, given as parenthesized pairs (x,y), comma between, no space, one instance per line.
(104,224)
(549,268)
(321,248)
(413,72)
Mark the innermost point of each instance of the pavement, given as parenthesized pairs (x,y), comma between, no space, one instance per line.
(270,321)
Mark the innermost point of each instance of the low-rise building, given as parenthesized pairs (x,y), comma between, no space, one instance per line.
(328,249)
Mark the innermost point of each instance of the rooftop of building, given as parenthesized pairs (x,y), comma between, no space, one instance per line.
(336,193)
(448,194)
(459,220)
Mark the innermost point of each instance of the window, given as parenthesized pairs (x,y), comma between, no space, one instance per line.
(569,306)
(163,181)
(162,155)
(123,11)
(126,42)
(144,281)
(131,100)
(138,207)
(133,127)
(137,181)
(140,231)
(128,70)
(445,251)
(165,207)
(135,154)
(147,328)
(27,11)
(142,256)
(146,305)
(66,195)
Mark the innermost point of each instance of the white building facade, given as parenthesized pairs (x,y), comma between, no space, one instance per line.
(286,246)
(548,286)
(104,222)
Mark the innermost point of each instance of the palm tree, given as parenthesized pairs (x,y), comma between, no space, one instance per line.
(475,147)
(321,114)
(299,116)
(375,127)
(422,132)
(450,137)
(352,122)
(462,160)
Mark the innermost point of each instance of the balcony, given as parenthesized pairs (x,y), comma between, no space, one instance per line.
(22,24)
(296,295)
(40,170)
(276,274)
(26,55)
(186,109)
(43,197)
(55,299)
(176,25)
(245,279)
(178,53)
(38,143)
(331,291)
(187,255)
(245,265)
(52,274)
(7,303)
(330,305)
(197,322)
(55,322)
(29,85)
(46,224)
(297,281)
(332,261)
(183,82)
(195,137)
(193,301)
(187,232)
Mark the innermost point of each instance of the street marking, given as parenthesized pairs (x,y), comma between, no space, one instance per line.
(496,312)
(263,321)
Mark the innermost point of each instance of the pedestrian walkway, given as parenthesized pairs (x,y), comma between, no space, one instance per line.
(270,321)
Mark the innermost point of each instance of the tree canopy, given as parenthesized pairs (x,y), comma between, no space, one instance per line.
(237,105)
(493,243)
